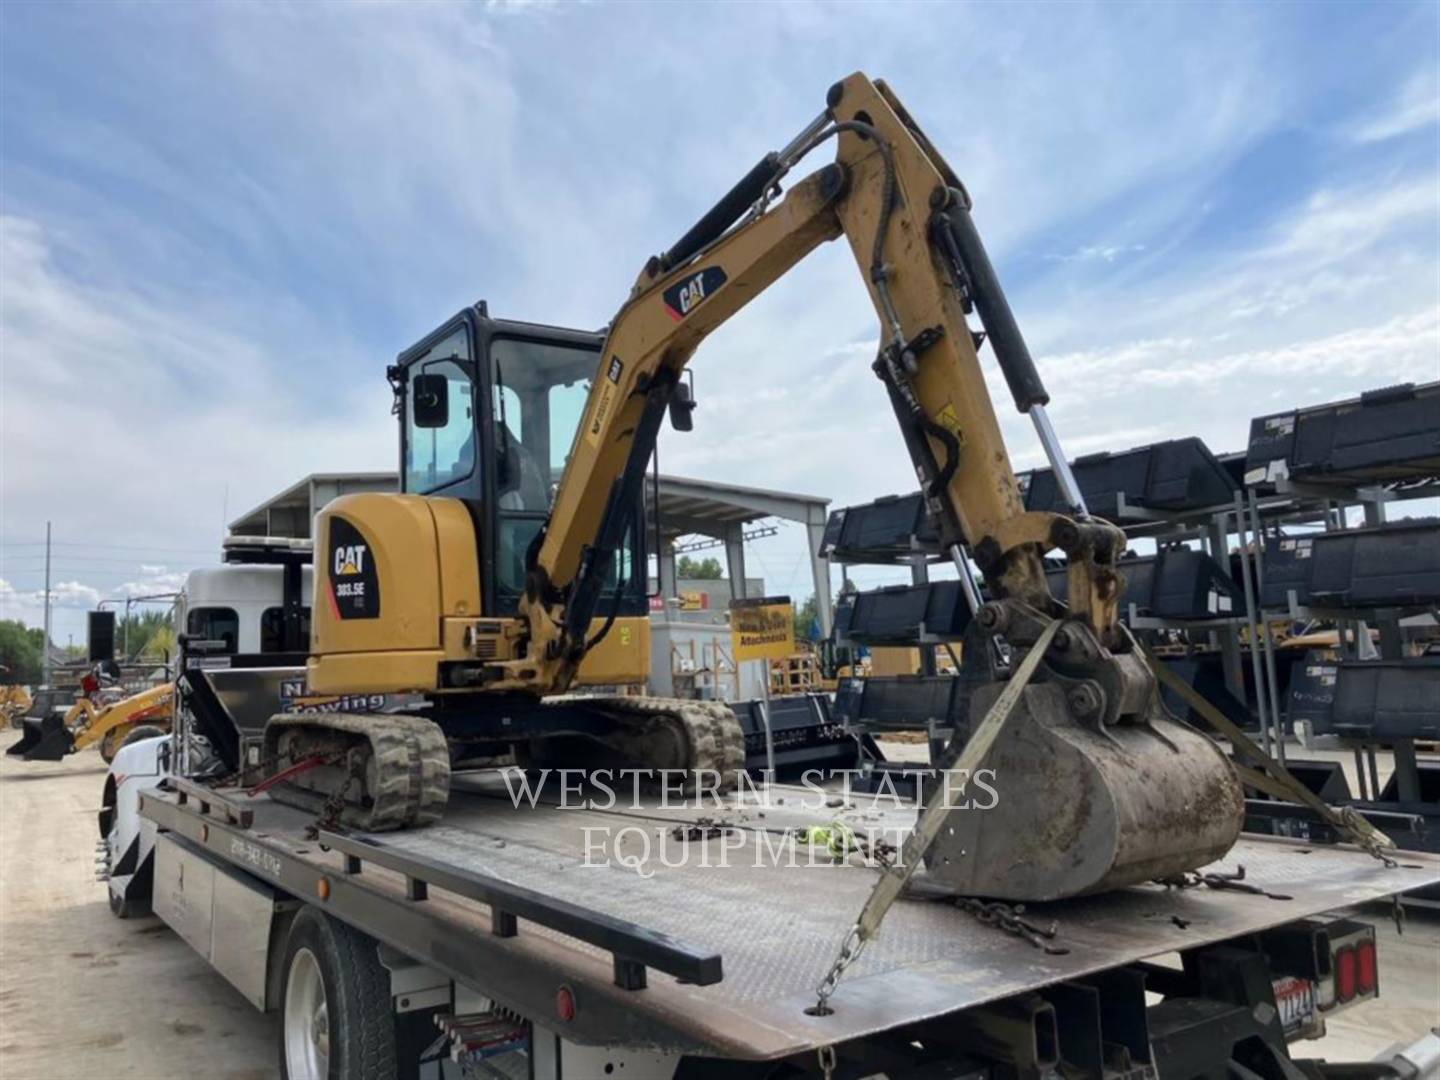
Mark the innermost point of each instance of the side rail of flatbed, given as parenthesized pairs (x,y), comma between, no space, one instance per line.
(501,904)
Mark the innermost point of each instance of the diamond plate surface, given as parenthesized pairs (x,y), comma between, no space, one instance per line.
(777,927)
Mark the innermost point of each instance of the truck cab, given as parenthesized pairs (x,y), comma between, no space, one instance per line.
(244,605)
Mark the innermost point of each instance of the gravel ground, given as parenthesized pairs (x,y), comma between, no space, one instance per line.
(81,992)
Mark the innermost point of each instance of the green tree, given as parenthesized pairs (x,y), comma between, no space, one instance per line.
(161,646)
(806,619)
(21,652)
(141,626)
(698,569)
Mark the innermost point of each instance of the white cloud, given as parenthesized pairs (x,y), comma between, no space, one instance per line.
(1096,252)
(1336,224)
(152,585)
(203,281)
(1416,107)
(130,420)
(29,605)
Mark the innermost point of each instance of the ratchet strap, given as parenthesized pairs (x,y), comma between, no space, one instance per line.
(1270,777)
(977,748)
(896,876)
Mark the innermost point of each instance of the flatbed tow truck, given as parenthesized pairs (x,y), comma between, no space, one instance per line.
(664,937)
(451,929)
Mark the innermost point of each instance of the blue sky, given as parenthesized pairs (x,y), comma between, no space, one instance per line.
(220,221)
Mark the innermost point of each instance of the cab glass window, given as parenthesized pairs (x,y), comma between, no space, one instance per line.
(215,624)
(272,629)
(539,396)
(436,457)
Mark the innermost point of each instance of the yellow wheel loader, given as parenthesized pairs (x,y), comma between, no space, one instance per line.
(510,570)
(89,722)
(15,702)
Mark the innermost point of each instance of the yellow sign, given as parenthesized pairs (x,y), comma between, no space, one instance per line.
(950,421)
(762,628)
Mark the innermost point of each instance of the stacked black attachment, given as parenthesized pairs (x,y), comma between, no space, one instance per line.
(901,702)
(1178,475)
(888,530)
(1175,584)
(1396,565)
(1383,436)
(1385,700)
(903,615)
(1312,691)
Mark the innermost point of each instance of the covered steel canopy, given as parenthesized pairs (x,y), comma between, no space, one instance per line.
(687,507)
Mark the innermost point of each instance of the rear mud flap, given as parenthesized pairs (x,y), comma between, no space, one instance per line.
(1071,810)
(46,739)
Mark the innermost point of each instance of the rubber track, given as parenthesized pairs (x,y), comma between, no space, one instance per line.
(411,767)
(714,736)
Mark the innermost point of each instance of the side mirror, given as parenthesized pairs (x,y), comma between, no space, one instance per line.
(430,401)
(682,408)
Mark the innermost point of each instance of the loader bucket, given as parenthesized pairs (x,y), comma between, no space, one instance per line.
(1078,810)
(46,739)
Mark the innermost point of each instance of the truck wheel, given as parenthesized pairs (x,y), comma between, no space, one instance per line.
(336,1018)
(126,909)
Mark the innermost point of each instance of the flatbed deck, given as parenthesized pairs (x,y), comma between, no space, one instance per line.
(773,913)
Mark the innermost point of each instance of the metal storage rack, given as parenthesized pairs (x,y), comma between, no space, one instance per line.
(1353,624)
(1243,638)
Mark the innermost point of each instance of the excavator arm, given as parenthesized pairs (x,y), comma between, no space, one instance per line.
(906,217)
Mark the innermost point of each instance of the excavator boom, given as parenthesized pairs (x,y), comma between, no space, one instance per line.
(906,218)
(1130,793)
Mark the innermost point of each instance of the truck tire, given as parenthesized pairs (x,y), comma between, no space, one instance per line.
(336,1021)
(126,908)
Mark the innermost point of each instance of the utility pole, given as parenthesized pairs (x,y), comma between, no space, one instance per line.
(45,653)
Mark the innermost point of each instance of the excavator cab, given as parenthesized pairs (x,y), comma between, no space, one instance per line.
(420,593)
(489,411)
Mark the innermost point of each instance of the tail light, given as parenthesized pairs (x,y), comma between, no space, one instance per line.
(1347,973)
(1367,973)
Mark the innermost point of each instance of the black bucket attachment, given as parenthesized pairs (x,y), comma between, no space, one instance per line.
(46,739)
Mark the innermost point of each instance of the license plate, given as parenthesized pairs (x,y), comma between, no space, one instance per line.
(1295,998)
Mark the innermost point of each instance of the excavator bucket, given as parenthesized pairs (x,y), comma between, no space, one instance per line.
(46,739)
(1080,809)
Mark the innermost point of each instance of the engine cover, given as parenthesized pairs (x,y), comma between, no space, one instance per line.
(390,571)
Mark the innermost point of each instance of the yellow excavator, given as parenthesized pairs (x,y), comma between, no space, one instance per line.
(510,570)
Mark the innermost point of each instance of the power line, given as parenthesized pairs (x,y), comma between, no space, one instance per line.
(85,560)
(88,568)
(95,572)
(107,547)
